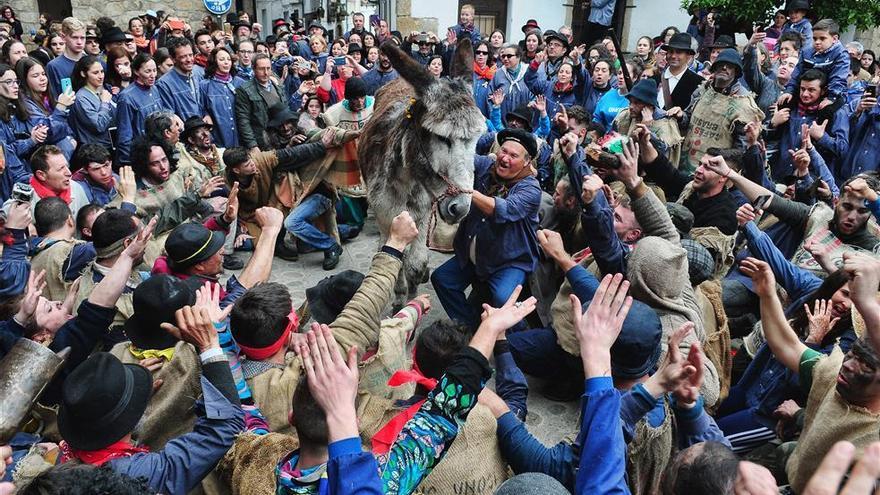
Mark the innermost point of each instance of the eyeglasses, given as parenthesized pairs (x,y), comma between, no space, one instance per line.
(508,55)
(481,52)
(10,82)
(246,52)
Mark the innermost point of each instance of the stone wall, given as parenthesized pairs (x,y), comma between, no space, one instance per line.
(119,10)
(870,38)
(407,23)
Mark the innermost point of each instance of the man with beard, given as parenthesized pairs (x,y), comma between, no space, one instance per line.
(379,75)
(843,390)
(718,113)
(704,192)
(556,48)
(179,88)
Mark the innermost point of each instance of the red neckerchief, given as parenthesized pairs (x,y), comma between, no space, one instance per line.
(118,450)
(562,88)
(44,192)
(385,438)
(805,109)
(487,72)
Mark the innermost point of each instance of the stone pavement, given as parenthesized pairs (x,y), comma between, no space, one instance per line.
(549,421)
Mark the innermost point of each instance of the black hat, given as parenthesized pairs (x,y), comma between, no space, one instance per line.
(112,35)
(729,56)
(191,243)
(680,41)
(797,5)
(91,33)
(524,113)
(155,301)
(192,124)
(279,114)
(328,298)
(521,136)
(723,41)
(529,25)
(355,87)
(241,23)
(355,48)
(644,91)
(553,35)
(102,400)
(316,24)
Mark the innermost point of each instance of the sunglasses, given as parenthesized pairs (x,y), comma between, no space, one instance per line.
(481,52)
(508,55)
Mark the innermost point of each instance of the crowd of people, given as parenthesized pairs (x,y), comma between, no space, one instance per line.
(684,239)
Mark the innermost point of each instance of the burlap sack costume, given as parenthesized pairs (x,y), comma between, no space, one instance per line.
(248,468)
(829,419)
(124,305)
(712,123)
(391,355)
(649,452)
(717,345)
(53,259)
(666,130)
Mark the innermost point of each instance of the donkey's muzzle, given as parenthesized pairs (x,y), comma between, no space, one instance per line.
(454,208)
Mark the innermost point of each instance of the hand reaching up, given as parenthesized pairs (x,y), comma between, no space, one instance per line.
(598,328)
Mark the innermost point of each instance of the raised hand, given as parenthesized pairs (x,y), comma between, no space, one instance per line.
(860,188)
(762,276)
(598,328)
(497,97)
(500,319)
(135,250)
(864,272)
(718,165)
(19,216)
(820,320)
(590,188)
(551,243)
(327,138)
(753,133)
(628,172)
(783,99)
(817,130)
(560,120)
(195,327)
(127,184)
(211,186)
(675,370)
(39,133)
(268,217)
(403,231)
(780,117)
(745,214)
(34,289)
(828,478)
(753,479)
(208,298)
(230,215)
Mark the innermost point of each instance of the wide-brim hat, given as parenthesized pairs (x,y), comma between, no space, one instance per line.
(797,5)
(728,56)
(680,41)
(102,401)
(192,124)
(636,351)
(114,34)
(529,25)
(644,91)
(316,24)
(723,41)
(553,35)
(355,48)
(523,113)
(192,243)
(328,298)
(155,302)
(240,23)
(279,114)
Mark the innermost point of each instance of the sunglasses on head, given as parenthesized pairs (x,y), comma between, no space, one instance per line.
(481,52)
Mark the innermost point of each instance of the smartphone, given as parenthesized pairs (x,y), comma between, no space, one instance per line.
(339,60)
(374,20)
(871,91)
(227,28)
(759,28)
(760,202)
(66,86)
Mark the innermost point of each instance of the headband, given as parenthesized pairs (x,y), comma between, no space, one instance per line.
(261,353)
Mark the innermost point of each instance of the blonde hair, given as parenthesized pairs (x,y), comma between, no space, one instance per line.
(71,25)
(468,6)
(318,37)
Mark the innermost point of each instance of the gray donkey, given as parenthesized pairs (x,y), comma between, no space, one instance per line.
(417,152)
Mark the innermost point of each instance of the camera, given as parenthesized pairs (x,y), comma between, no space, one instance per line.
(22,192)
(339,61)
(423,38)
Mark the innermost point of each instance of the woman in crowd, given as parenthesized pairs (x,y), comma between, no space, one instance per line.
(163,60)
(779,20)
(372,57)
(531,45)
(311,109)
(136,102)
(484,72)
(496,41)
(645,49)
(7,13)
(217,91)
(93,112)
(665,36)
(565,88)
(318,52)
(595,53)
(262,47)
(136,29)
(869,62)
(510,78)
(435,65)
(118,70)
(13,117)
(41,106)
(54,44)
(369,40)
(615,100)
(356,53)
(337,49)
(12,52)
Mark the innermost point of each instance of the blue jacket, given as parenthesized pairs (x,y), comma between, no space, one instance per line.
(864,148)
(507,237)
(516,92)
(97,194)
(59,130)
(833,146)
(57,69)
(135,103)
(803,27)
(218,99)
(375,79)
(91,118)
(180,94)
(473,33)
(17,135)
(834,62)
(14,171)
(607,108)
(601,11)
(482,89)
(541,86)
(15,265)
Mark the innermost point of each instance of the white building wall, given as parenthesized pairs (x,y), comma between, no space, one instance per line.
(445,11)
(550,14)
(649,17)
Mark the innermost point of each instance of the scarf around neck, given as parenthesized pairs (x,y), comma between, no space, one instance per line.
(487,72)
(44,192)
(291,480)
(117,450)
(514,77)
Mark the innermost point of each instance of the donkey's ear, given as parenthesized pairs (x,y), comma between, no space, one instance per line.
(463,59)
(411,71)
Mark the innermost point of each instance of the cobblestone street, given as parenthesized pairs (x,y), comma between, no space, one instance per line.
(549,421)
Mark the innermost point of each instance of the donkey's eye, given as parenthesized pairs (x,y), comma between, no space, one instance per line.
(445,140)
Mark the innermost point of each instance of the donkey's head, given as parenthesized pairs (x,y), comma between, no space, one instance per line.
(444,125)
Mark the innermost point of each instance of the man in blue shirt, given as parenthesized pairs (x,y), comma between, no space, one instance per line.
(179,88)
(495,244)
(74,32)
